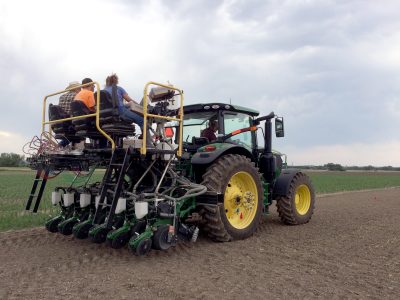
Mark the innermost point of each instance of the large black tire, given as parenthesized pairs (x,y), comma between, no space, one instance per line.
(297,206)
(219,225)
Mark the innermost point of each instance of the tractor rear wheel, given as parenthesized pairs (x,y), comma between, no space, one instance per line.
(236,177)
(297,206)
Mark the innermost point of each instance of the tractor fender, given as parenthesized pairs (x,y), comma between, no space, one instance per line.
(282,183)
(205,158)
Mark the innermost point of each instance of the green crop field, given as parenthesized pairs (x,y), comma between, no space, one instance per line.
(331,182)
(16,184)
(15,187)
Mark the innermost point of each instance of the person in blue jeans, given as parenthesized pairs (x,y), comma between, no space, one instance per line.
(125,112)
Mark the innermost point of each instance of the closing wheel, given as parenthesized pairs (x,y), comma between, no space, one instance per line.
(144,247)
(160,238)
(236,177)
(297,206)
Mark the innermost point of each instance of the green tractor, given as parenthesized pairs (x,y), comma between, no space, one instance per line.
(246,178)
(196,167)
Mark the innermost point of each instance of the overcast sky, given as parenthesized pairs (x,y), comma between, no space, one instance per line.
(330,68)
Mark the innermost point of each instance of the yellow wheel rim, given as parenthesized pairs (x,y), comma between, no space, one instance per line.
(241,200)
(302,199)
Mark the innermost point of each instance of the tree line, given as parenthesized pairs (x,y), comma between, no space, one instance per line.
(12,160)
(339,167)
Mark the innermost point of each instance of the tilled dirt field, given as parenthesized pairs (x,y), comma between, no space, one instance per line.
(350,249)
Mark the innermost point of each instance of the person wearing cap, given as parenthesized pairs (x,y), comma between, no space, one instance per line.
(65,100)
(86,95)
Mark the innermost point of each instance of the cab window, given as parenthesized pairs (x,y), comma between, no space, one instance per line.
(234,121)
(195,123)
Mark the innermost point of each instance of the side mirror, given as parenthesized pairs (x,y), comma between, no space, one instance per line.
(279,129)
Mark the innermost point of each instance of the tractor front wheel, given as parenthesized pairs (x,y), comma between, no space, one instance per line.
(236,177)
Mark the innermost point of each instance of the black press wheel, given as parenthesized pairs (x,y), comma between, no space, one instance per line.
(99,236)
(120,241)
(52,225)
(143,248)
(83,231)
(65,227)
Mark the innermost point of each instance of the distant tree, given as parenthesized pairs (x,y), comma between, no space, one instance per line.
(334,167)
(11,160)
(387,168)
(369,168)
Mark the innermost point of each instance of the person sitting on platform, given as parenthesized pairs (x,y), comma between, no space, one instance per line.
(66,99)
(125,112)
(86,95)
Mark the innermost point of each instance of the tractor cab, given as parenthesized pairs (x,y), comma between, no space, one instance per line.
(217,120)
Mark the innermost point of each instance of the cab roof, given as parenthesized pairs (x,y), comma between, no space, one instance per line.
(213,106)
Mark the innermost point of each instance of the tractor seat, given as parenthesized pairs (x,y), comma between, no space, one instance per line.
(63,129)
(109,117)
(85,127)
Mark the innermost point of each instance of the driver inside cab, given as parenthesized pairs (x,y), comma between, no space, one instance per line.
(209,132)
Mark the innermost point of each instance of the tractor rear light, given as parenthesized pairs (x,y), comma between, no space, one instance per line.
(209,148)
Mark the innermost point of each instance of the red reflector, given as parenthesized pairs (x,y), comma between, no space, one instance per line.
(241,215)
(169,132)
(209,148)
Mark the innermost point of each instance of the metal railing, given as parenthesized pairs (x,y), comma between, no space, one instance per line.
(146,115)
(95,114)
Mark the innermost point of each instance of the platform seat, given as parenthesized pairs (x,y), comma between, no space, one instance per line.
(85,127)
(64,129)
(109,116)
